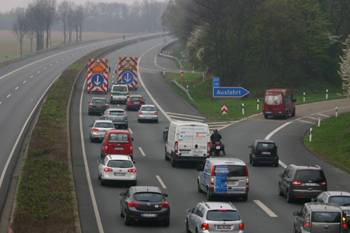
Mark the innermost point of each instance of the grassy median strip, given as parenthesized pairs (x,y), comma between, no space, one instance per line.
(331,141)
(202,94)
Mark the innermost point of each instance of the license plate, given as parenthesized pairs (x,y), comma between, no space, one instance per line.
(218,147)
(119,174)
(149,215)
(136,102)
(231,182)
(223,227)
(268,112)
(118,148)
(265,153)
(309,184)
(117,118)
(185,152)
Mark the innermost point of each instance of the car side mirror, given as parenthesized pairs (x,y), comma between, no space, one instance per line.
(122,194)
(250,146)
(313,200)
(134,161)
(90,125)
(165,195)
(296,213)
(99,161)
(188,211)
(200,167)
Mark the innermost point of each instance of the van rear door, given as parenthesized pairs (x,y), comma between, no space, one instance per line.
(193,140)
(185,139)
(273,102)
(230,179)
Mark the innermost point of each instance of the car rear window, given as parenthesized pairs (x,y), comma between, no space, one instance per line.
(118,137)
(120,163)
(273,99)
(230,170)
(223,215)
(266,146)
(306,176)
(148,197)
(104,125)
(148,109)
(117,113)
(99,101)
(136,98)
(340,200)
(119,88)
(325,217)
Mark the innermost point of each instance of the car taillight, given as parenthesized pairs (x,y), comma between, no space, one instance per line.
(247,176)
(307,224)
(164,205)
(109,113)
(129,100)
(133,170)
(140,113)
(94,129)
(344,222)
(155,113)
(212,176)
(255,152)
(132,204)
(276,152)
(131,148)
(106,147)
(241,226)
(108,169)
(176,147)
(205,226)
(296,182)
(127,95)
(91,105)
(143,101)
(111,95)
(106,105)
(125,113)
(208,148)
(323,183)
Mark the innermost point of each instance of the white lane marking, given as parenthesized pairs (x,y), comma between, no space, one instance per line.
(218,122)
(265,208)
(20,134)
(161,182)
(51,64)
(276,130)
(87,170)
(0,102)
(172,113)
(24,81)
(189,118)
(62,59)
(130,130)
(31,76)
(143,153)
(282,164)
(38,72)
(56,61)
(8,96)
(44,68)
(312,118)
(16,88)
(307,121)
(322,115)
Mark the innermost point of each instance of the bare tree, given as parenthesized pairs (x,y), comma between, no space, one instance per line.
(19,28)
(50,17)
(70,22)
(30,35)
(36,18)
(63,10)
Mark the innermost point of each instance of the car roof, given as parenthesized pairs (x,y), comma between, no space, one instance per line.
(116,109)
(119,157)
(103,121)
(118,131)
(263,140)
(218,205)
(323,206)
(148,105)
(98,98)
(337,193)
(135,96)
(189,123)
(231,161)
(305,167)
(152,189)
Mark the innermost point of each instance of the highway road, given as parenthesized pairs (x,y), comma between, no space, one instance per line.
(22,85)
(264,212)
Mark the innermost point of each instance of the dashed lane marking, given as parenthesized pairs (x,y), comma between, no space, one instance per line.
(130,131)
(31,76)
(143,153)
(16,88)
(161,182)
(38,72)
(24,81)
(44,68)
(265,208)
(8,96)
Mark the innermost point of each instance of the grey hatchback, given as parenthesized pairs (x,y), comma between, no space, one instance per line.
(98,129)
(97,105)
(118,116)
(214,217)
(147,113)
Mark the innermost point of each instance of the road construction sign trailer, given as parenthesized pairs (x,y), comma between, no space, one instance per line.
(97,75)
(127,72)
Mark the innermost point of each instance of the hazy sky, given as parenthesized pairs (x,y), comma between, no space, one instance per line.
(6,5)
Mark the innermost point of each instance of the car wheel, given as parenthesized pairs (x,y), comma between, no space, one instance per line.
(196,230)
(199,187)
(280,190)
(166,157)
(127,221)
(245,197)
(266,116)
(166,223)
(209,196)
(293,115)
(156,121)
(121,213)
(173,162)
(294,229)
(99,178)
(253,163)
(101,155)
(134,183)
(91,139)
(138,121)
(285,115)
(276,164)
(289,197)
(102,182)
(89,113)
(187,228)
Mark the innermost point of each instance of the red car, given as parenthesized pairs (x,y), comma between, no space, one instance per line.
(117,142)
(135,102)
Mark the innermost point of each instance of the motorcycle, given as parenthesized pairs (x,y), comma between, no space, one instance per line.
(217,147)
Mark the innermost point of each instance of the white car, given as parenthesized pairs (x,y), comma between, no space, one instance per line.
(147,113)
(117,168)
(98,129)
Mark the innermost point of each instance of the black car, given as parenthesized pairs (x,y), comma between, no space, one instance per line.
(144,203)
(301,181)
(263,152)
(97,105)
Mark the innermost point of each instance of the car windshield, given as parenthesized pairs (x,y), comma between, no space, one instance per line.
(273,99)
(266,146)
(116,113)
(119,88)
(308,176)
(325,217)
(149,197)
(223,215)
(340,200)
(148,109)
(98,101)
(118,137)
(104,125)
(136,98)
(120,163)
(230,170)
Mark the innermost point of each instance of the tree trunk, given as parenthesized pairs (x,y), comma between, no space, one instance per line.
(31,44)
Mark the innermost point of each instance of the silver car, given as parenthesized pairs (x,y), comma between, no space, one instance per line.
(98,129)
(214,217)
(147,113)
(117,168)
(118,116)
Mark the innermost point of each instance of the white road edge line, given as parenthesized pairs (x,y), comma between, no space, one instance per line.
(312,118)
(20,134)
(161,182)
(172,113)
(307,122)
(130,130)
(265,208)
(87,170)
(143,153)
(322,115)
(276,130)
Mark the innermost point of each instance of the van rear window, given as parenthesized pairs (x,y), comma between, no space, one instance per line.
(219,215)
(273,99)
(118,138)
(230,170)
(325,217)
(119,88)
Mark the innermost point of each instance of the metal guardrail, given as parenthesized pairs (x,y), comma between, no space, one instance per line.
(182,88)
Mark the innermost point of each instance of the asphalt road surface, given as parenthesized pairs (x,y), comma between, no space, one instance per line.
(264,212)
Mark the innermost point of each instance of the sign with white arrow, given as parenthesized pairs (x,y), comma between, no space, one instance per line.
(127,77)
(223,109)
(236,92)
(97,80)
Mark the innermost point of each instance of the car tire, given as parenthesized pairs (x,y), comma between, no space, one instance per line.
(99,178)
(138,121)
(134,183)
(209,196)
(289,197)
(101,155)
(156,121)
(102,182)
(166,223)
(280,193)
(187,228)
(293,115)
(253,163)
(89,113)
(173,162)
(245,197)
(285,115)
(91,139)
(266,116)
(127,109)
(127,220)
(199,187)
(166,157)
(276,164)
(121,213)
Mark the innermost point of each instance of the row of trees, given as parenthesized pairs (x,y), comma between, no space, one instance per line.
(262,42)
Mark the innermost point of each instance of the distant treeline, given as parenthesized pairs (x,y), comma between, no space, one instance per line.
(263,43)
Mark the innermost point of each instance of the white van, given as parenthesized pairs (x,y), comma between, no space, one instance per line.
(187,141)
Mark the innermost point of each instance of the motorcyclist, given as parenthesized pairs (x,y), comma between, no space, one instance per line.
(216,137)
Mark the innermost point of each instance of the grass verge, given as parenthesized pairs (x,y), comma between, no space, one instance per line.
(201,92)
(331,141)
